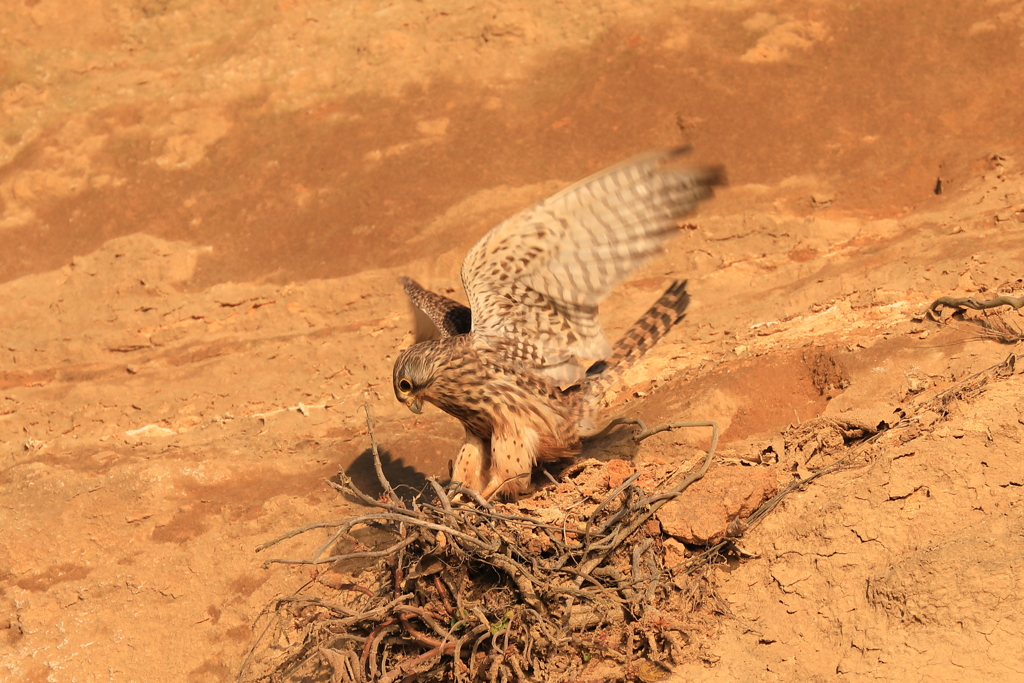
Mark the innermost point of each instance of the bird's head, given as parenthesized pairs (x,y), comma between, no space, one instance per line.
(414,372)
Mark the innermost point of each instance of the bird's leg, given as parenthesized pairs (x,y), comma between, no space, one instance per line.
(473,463)
(513,455)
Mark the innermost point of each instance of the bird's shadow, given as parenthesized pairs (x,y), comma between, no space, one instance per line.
(409,482)
(405,479)
(618,445)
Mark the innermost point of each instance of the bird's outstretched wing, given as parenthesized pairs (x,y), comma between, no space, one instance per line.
(534,282)
(436,315)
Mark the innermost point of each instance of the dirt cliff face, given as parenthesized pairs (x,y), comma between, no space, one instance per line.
(204,208)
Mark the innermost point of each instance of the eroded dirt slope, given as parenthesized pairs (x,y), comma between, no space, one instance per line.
(204,209)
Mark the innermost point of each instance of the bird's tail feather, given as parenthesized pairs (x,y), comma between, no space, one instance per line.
(645,333)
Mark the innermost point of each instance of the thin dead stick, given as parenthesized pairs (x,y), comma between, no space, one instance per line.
(496,491)
(609,498)
(675,490)
(252,650)
(346,556)
(347,524)
(412,666)
(304,600)
(296,532)
(587,566)
(347,488)
(441,496)
(390,492)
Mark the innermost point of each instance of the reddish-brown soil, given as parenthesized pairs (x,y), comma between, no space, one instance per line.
(204,208)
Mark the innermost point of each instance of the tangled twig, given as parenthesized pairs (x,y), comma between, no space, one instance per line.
(471,590)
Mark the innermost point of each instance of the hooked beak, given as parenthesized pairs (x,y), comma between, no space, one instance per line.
(415,406)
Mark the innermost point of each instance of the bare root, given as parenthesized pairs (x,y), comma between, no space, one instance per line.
(469,591)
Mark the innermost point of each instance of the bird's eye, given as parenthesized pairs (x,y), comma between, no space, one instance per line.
(404,385)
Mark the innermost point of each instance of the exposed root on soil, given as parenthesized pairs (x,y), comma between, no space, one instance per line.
(995,328)
(968,387)
(470,591)
(962,303)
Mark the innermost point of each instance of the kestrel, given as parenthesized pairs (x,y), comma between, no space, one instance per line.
(510,367)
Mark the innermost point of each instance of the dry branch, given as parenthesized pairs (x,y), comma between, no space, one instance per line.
(465,590)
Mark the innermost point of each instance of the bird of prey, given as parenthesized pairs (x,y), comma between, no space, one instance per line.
(512,367)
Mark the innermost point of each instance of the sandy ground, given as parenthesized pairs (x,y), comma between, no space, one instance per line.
(204,207)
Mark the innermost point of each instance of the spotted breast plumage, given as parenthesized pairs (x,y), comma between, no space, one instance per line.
(511,367)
